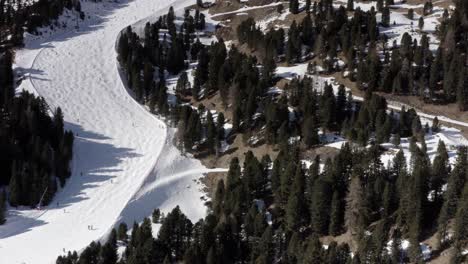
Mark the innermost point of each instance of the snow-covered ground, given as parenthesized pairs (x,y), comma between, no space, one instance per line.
(452,137)
(124,164)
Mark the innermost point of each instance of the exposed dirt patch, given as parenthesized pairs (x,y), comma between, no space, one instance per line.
(210,181)
(323,151)
(345,238)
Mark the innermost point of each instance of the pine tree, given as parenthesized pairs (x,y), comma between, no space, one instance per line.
(356,214)
(461,222)
(462,89)
(440,171)
(156,216)
(319,212)
(410,14)
(313,253)
(310,133)
(307,6)
(15,187)
(380,5)
(386,16)
(183,84)
(108,252)
(435,125)
(294,6)
(296,209)
(336,215)
(350,5)
(210,132)
(122,232)
(294,248)
(220,126)
(2,207)
(421,23)
(455,184)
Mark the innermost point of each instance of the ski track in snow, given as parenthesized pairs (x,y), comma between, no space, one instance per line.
(124,163)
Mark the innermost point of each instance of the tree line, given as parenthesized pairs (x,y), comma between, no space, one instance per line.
(407,68)
(17,17)
(276,211)
(35,149)
(354,194)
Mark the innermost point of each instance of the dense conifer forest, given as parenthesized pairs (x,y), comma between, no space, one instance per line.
(263,215)
(36,151)
(278,210)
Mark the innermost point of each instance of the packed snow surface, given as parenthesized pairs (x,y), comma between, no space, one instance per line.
(124,163)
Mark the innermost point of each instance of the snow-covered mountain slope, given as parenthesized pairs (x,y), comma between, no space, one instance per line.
(124,163)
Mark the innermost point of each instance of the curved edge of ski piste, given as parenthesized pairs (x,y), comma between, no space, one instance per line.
(42,42)
(148,183)
(153,180)
(19,87)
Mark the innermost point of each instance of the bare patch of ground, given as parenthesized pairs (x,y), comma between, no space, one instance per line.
(345,238)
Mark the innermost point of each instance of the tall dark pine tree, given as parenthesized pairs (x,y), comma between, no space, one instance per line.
(350,5)
(210,132)
(455,184)
(294,6)
(386,16)
(356,214)
(440,172)
(2,206)
(296,208)
(460,230)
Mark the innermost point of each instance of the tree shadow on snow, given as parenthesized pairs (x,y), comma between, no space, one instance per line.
(96,13)
(18,223)
(96,172)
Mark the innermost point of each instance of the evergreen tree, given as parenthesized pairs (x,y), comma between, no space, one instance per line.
(461,221)
(122,232)
(108,252)
(296,209)
(456,181)
(319,212)
(211,133)
(435,125)
(294,6)
(386,16)
(2,207)
(356,215)
(307,6)
(183,84)
(350,5)
(440,171)
(313,253)
(421,23)
(410,14)
(336,221)
(156,216)
(380,5)
(15,186)
(310,133)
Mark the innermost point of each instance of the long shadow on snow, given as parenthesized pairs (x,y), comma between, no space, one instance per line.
(18,223)
(93,174)
(101,13)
